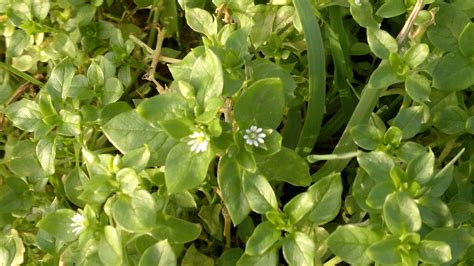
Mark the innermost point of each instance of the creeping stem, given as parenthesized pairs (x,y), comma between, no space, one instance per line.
(316,77)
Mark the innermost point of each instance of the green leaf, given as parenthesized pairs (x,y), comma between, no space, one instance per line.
(185,169)
(177,128)
(259,193)
(298,207)
(136,159)
(70,124)
(326,195)
(261,104)
(377,164)
(112,91)
(434,212)
(231,186)
(110,246)
(450,120)
(409,121)
(24,114)
(381,42)
(435,252)
(418,87)
(135,212)
(73,183)
(201,21)
(262,239)
(18,42)
(379,193)
(401,214)
(230,257)
(383,76)
(95,75)
(162,107)
(128,131)
(362,13)
(298,249)
(416,55)
(386,251)
(449,23)
(465,40)
(269,258)
(286,166)
(263,68)
(366,136)
(176,231)
(128,179)
(211,217)
(98,189)
(59,224)
(458,239)
(391,8)
(350,243)
(46,152)
(246,160)
(194,257)
(453,72)
(160,254)
(421,168)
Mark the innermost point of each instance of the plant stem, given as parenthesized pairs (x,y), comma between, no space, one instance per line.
(20,74)
(316,76)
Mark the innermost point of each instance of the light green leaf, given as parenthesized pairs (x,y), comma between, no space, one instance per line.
(379,193)
(263,68)
(201,21)
(298,207)
(73,183)
(377,164)
(46,152)
(409,121)
(458,239)
(128,131)
(299,249)
(366,136)
(326,195)
(362,13)
(391,8)
(418,87)
(421,168)
(261,104)
(185,169)
(416,55)
(59,224)
(136,159)
(110,246)
(162,107)
(466,38)
(160,254)
(381,42)
(401,214)
(286,166)
(25,114)
(231,186)
(113,90)
(262,239)
(386,251)
(95,75)
(435,252)
(383,76)
(259,193)
(350,243)
(176,231)
(135,212)
(434,212)
(60,81)
(18,42)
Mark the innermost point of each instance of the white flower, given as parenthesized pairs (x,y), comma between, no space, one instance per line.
(254,136)
(199,142)
(77,223)
(357,2)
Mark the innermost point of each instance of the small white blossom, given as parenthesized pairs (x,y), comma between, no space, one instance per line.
(357,2)
(77,223)
(199,142)
(254,136)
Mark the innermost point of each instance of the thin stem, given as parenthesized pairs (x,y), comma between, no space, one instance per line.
(409,23)
(21,74)
(150,75)
(334,261)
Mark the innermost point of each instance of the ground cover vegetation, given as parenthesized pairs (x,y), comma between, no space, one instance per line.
(236,132)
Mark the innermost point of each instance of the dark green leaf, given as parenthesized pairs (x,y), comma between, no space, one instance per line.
(176,231)
(450,120)
(409,121)
(453,72)
(418,87)
(379,193)
(458,239)
(194,257)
